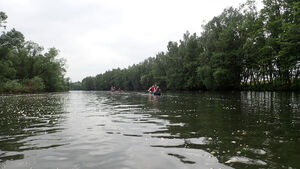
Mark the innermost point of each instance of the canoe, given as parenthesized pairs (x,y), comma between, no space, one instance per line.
(158,93)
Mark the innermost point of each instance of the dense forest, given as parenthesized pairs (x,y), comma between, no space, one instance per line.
(25,68)
(241,49)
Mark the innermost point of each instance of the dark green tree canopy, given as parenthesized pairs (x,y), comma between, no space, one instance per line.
(24,67)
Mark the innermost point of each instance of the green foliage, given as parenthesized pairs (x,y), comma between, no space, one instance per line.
(12,86)
(3,18)
(241,48)
(76,86)
(7,70)
(222,78)
(35,84)
(88,83)
(24,67)
(206,75)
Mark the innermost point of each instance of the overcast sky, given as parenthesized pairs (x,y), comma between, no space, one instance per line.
(98,35)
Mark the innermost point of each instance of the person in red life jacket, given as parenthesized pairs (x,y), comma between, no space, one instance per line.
(156,89)
(151,89)
(112,88)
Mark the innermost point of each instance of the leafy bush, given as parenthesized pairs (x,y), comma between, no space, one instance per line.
(35,84)
(205,74)
(12,86)
(222,78)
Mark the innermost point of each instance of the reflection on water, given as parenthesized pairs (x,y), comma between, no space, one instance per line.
(136,130)
(29,122)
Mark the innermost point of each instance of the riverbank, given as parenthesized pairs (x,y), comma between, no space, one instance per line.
(275,86)
(34,85)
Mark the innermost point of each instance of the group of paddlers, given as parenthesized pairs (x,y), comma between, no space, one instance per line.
(154,89)
(113,88)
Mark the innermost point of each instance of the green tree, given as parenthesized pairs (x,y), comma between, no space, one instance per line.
(3,18)
(88,83)
(35,84)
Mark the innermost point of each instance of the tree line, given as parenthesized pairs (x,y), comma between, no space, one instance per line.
(24,67)
(240,49)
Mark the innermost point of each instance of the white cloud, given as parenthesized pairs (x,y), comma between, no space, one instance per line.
(98,35)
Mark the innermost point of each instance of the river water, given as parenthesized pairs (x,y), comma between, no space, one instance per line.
(134,130)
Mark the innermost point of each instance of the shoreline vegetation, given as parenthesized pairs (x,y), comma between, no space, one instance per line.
(25,67)
(240,49)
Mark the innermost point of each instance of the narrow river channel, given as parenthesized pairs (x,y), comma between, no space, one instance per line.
(135,130)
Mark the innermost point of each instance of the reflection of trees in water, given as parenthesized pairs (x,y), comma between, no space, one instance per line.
(23,119)
(262,128)
(257,125)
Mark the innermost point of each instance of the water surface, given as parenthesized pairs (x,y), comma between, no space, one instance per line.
(81,129)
